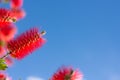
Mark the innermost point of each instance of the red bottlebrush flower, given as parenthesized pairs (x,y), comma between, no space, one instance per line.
(2,76)
(16,3)
(25,43)
(6,15)
(67,73)
(18,13)
(7,31)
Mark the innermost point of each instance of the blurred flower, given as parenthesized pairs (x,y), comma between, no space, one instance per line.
(7,31)
(18,13)
(67,73)
(2,76)
(25,43)
(6,15)
(16,3)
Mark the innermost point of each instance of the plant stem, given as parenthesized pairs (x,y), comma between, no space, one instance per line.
(5,55)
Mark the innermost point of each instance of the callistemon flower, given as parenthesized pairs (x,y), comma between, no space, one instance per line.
(67,73)
(18,13)
(6,15)
(2,76)
(16,3)
(25,43)
(7,31)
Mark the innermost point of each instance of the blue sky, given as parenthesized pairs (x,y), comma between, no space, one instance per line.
(81,33)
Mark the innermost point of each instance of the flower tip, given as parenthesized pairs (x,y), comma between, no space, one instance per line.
(14,20)
(43,32)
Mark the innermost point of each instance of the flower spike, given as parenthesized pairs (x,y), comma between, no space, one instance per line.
(25,43)
(67,73)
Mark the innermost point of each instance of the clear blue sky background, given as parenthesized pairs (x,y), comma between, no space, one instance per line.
(81,33)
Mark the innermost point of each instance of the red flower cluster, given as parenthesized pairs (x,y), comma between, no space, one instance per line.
(20,46)
(23,44)
(67,73)
(7,29)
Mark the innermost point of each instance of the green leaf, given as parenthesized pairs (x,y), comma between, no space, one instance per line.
(3,66)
